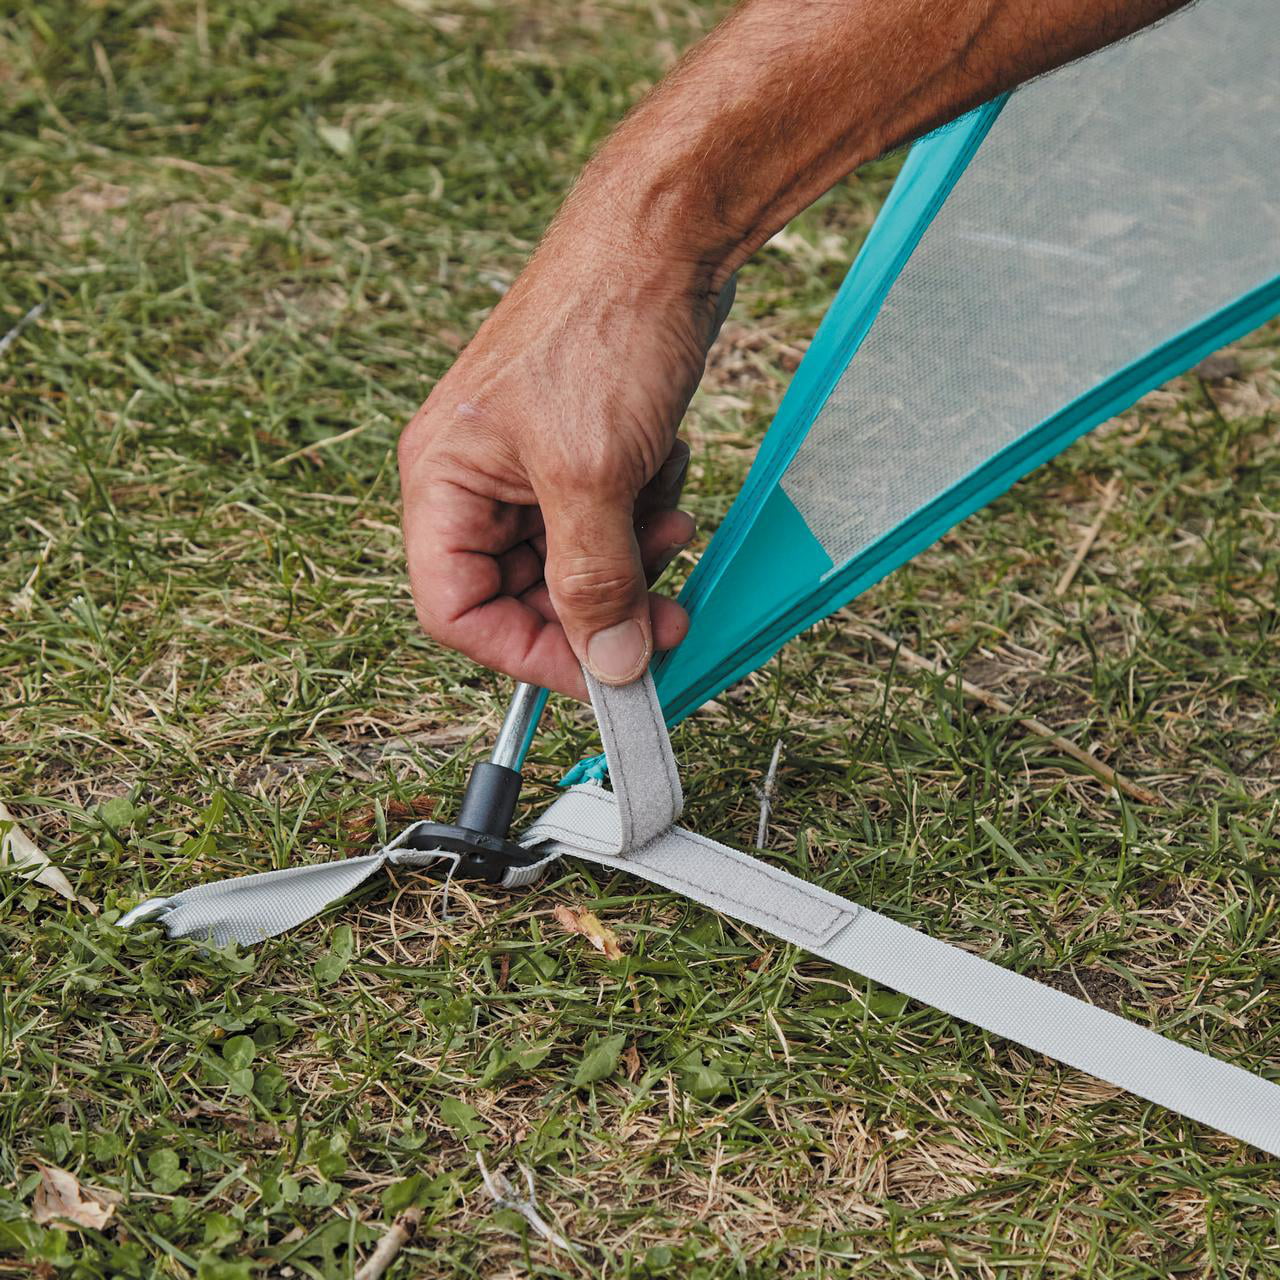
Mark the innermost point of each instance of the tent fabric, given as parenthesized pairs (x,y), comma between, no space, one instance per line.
(1040,264)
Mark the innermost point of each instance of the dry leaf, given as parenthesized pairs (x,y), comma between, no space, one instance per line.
(587,923)
(631,1062)
(19,849)
(60,1200)
(337,137)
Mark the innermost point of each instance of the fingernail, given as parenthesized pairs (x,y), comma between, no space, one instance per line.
(617,654)
(675,549)
(663,563)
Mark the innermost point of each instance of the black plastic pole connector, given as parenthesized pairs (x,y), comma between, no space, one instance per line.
(489,801)
(480,834)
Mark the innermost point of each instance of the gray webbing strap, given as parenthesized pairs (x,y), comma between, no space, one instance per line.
(584,823)
(248,909)
(633,829)
(939,974)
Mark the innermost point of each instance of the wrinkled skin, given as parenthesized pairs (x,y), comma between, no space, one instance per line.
(542,475)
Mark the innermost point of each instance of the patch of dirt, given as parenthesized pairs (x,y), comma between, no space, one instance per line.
(1101,987)
(90,206)
(934,1170)
(304,307)
(358,827)
(996,676)
(1219,367)
(1162,896)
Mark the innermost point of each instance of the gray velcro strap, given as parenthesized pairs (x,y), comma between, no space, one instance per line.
(642,768)
(587,820)
(950,979)
(712,874)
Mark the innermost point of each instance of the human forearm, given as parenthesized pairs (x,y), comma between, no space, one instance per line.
(540,476)
(787,96)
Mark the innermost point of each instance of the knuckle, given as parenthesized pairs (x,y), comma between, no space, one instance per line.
(595,586)
(431,623)
(413,440)
(588,479)
(592,469)
(445,633)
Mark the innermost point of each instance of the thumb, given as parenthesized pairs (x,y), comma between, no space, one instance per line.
(596,582)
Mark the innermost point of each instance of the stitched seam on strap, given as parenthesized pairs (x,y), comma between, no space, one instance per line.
(663,739)
(540,829)
(749,864)
(784,880)
(817,930)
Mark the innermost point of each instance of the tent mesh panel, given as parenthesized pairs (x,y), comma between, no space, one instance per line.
(1114,204)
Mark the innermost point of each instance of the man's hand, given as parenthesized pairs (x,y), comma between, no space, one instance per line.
(541,477)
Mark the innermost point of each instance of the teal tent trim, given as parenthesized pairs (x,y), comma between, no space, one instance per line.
(720,606)
(984,483)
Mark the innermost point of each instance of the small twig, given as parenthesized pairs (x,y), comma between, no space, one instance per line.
(326,442)
(402,1231)
(30,318)
(1109,496)
(1104,772)
(504,1196)
(766,794)
(448,884)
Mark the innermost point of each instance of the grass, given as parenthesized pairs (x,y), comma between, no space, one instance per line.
(258,226)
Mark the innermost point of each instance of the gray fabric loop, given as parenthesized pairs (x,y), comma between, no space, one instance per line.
(642,767)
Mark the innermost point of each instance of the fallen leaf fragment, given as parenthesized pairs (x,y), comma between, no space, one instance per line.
(588,924)
(21,851)
(60,1200)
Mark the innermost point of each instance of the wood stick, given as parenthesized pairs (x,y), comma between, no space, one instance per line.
(384,1253)
(766,795)
(1109,496)
(1104,772)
